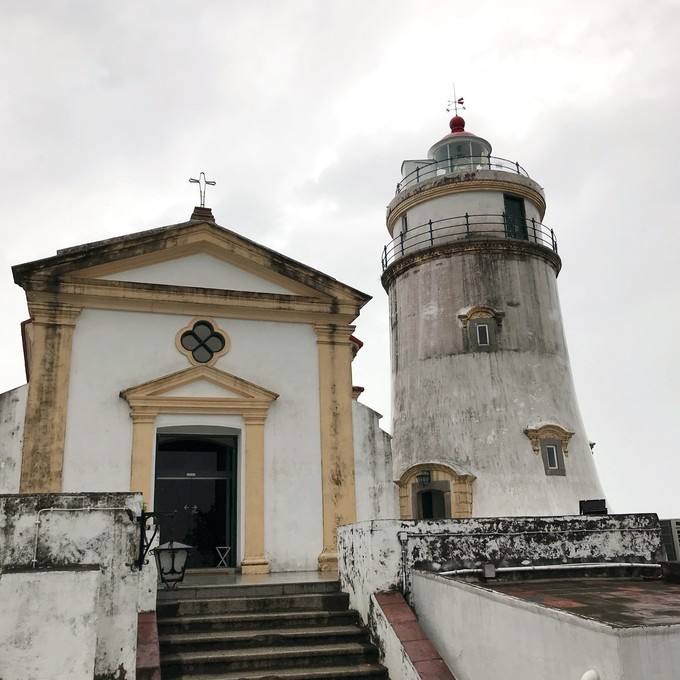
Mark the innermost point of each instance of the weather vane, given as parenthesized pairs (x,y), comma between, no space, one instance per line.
(456,103)
(202,184)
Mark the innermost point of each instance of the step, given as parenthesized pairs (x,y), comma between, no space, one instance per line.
(356,672)
(319,601)
(203,592)
(247,639)
(267,658)
(257,620)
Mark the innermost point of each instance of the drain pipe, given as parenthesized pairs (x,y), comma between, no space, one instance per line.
(553,567)
(92,508)
(402,536)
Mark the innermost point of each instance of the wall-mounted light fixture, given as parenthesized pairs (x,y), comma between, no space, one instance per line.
(424,477)
(171,561)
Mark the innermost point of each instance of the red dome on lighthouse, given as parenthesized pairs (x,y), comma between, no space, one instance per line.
(457,124)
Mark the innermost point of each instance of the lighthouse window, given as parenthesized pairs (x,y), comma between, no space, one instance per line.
(553,457)
(483,335)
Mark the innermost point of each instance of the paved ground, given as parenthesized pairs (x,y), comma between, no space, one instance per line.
(620,602)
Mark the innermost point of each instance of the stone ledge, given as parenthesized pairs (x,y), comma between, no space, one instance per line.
(421,652)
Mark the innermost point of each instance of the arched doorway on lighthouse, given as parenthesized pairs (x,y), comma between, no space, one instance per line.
(434,491)
(196,485)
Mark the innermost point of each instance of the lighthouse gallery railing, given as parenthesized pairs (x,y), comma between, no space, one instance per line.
(447,166)
(468,226)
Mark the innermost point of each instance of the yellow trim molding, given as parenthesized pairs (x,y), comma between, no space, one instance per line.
(337,448)
(187,301)
(548,432)
(252,403)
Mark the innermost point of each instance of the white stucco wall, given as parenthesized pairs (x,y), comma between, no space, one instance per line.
(48,625)
(113,351)
(375,490)
(200,270)
(484,634)
(12,412)
(482,206)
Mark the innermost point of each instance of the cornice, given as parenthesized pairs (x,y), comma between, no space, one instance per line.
(549,431)
(162,299)
(462,246)
(49,311)
(333,334)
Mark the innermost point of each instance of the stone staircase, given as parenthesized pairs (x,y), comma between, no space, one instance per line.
(296,631)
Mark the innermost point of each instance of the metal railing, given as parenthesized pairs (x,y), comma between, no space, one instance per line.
(456,165)
(467,227)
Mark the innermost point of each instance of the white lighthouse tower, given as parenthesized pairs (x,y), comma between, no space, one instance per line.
(486,421)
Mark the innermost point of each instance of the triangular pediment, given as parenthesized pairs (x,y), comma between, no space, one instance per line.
(168,256)
(202,388)
(204,270)
(198,384)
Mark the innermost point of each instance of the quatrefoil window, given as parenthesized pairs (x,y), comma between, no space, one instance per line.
(202,342)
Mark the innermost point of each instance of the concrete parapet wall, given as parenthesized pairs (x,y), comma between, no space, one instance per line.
(373,559)
(41,534)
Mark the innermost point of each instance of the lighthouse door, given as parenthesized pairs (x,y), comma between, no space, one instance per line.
(515,218)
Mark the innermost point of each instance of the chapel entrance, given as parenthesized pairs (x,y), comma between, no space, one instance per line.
(196,480)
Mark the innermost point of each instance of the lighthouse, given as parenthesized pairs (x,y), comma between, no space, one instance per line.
(486,420)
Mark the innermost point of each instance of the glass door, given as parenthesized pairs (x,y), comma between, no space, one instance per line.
(196,482)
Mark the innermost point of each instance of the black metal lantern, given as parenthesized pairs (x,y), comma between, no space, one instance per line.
(424,477)
(171,561)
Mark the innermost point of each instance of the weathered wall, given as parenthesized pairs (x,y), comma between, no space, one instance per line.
(375,489)
(485,634)
(48,624)
(281,357)
(468,409)
(12,412)
(86,530)
(371,553)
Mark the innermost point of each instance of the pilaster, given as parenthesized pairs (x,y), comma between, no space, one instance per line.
(143,446)
(42,460)
(254,560)
(337,448)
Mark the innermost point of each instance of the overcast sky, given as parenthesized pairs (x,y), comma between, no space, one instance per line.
(303,111)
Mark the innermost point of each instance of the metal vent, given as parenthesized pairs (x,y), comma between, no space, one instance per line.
(669,535)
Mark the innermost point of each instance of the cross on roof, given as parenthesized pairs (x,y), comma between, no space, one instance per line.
(202,184)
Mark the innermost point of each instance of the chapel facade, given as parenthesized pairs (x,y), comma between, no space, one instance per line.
(205,371)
